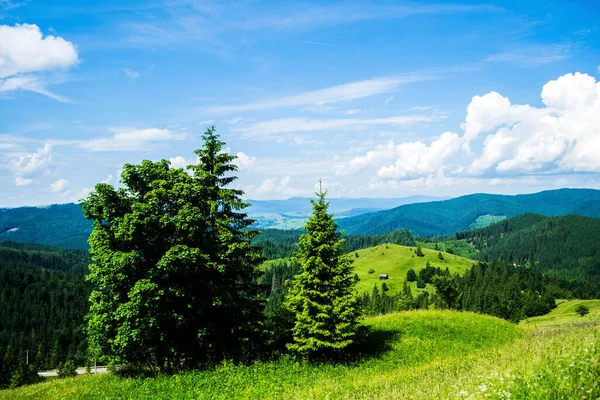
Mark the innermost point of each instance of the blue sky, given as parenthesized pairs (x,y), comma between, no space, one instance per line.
(379,99)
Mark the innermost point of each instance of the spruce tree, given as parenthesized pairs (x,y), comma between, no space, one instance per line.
(322,296)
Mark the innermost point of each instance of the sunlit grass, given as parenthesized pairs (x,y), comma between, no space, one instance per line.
(413,355)
(565,313)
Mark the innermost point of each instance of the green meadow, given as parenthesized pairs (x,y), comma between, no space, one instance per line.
(409,355)
(564,313)
(396,261)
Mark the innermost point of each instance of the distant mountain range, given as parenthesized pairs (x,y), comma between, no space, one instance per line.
(472,211)
(65,226)
(293,212)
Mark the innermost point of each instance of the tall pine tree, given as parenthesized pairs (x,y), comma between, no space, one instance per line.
(322,296)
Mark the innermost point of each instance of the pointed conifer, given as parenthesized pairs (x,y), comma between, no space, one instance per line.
(322,296)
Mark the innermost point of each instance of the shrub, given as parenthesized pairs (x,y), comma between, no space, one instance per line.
(67,369)
(371,271)
(419,252)
(582,310)
(440,255)
(411,275)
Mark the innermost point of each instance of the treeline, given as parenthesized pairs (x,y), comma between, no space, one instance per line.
(498,288)
(43,300)
(566,247)
(276,243)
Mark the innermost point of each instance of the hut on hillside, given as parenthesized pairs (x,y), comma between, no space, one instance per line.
(383,277)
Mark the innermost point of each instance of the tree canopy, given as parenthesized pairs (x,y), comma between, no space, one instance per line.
(173,266)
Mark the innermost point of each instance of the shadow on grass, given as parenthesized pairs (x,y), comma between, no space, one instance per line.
(372,343)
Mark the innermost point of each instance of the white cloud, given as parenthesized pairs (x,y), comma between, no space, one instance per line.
(181,162)
(416,159)
(32,164)
(19,181)
(520,141)
(130,139)
(531,57)
(270,187)
(561,137)
(61,186)
(280,129)
(245,162)
(412,158)
(25,55)
(130,73)
(346,92)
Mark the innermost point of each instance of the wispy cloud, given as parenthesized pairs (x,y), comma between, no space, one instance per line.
(130,73)
(531,57)
(283,129)
(204,22)
(340,93)
(320,44)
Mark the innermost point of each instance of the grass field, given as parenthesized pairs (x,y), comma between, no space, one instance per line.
(565,313)
(415,355)
(395,261)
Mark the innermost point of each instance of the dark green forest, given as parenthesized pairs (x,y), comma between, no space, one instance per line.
(565,247)
(43,300)
(276,243)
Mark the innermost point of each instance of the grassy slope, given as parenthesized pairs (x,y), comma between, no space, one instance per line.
(396,260)
(565,313)
(427,355)
(405,347)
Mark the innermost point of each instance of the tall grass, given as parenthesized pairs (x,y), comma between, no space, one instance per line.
(413,355)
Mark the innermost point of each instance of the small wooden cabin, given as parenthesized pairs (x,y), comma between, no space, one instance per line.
(383,277)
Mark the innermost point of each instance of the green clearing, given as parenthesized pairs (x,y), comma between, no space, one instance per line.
(415,355)
(564,314)
(396,260)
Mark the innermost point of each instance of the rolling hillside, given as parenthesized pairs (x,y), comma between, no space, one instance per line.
(57,225)
(565,314)
(566,247)
(459,214)
(395,261)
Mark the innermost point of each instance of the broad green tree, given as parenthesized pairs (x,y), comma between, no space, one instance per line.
(322,297)
(173,265)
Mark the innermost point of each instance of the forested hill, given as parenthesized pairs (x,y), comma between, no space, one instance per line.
(43,299)
(57,225)
(567,246)
(466,212)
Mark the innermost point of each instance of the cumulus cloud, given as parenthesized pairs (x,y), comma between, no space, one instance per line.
(181,162)
(561,137)
(30,165)
(130,139)
(26,55)
(417,159)
(501,140)
(412,158)
(61,186)
(245,162)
